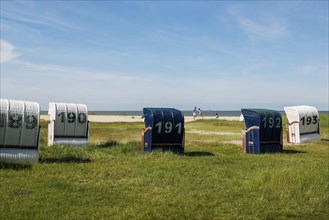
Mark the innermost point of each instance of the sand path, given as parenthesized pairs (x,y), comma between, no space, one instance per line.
(124,118)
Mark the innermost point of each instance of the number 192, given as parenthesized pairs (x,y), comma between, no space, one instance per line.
(271,123)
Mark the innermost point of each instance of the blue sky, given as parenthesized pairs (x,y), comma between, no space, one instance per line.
(217,55)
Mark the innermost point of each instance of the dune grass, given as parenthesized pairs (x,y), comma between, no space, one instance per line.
(112,179)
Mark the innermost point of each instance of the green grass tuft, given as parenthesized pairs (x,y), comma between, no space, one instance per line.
(112,178)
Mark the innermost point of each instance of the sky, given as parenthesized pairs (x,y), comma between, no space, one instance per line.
(126,55)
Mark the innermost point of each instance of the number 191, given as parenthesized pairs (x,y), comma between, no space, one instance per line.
(168,127)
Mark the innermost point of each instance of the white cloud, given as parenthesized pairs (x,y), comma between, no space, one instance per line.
(308,70)
(271,29)
(20,14)
(266,27)
(120,91)
(49,70)
(7,52)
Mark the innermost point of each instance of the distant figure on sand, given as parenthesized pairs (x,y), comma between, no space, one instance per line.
(200,112)
(217,115)
(195,111)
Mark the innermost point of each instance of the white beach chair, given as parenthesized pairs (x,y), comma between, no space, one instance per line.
(303,124)
(68,124)
(19,131)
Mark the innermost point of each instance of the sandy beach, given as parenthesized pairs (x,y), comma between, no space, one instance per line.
(120,118)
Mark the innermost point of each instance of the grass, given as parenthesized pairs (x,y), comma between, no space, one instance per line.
(112,179)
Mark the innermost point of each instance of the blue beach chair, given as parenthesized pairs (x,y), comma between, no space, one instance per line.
(164,129)
(264,131)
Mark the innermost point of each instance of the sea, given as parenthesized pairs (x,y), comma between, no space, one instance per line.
(212,113)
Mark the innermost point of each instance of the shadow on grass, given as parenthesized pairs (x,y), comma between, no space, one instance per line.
(291,151)
(71,159)
(324,139)
(15,166)
(199,154)
(107,144)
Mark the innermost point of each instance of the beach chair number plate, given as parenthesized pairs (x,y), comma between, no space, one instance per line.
(71,117)
(168,127)
(309,120)
(15,121)
(271,122)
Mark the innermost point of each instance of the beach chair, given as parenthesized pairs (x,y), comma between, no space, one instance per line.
(68,125)
(303,124)
(19,131)
(264,131)
(164,129)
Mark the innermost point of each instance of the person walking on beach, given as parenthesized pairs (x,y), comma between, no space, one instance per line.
(200,112)
(195,111)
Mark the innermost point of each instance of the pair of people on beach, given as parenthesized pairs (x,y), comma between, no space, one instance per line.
(197,112)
